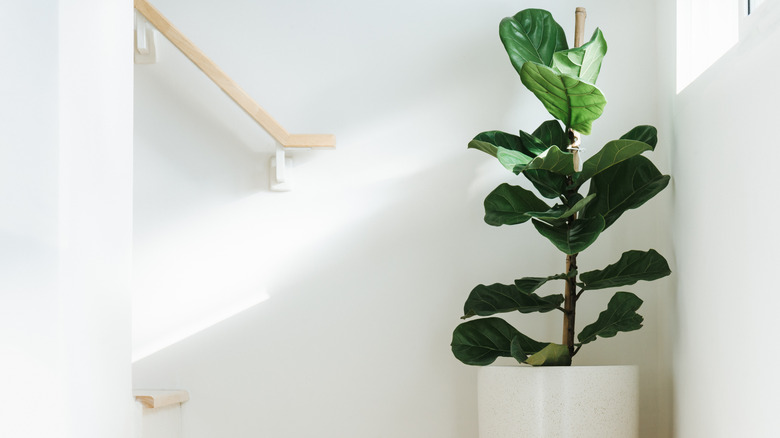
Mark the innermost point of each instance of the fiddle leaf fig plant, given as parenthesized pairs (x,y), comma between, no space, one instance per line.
(587,201)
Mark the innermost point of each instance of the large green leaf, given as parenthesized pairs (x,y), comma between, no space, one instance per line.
(508,205)
(550,185)
(528,285)
(620,316)
(560,212)
(512,159)
(551,134)
(486,300)
(612,153)
(632,267)
(575,239)
(574,102)
(644,133)
(551,355)
(622,187)
(481,341)
(531,35)
(535,145)
(583,62)
(489,142)
(516,350)
(552,160)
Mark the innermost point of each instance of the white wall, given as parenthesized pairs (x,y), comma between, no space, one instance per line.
(66,193)
(367,263)
(28,225)
(725,174)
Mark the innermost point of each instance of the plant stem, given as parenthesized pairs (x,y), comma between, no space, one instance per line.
(569,305)
(570,292)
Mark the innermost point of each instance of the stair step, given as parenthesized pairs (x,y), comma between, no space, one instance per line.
(158,398)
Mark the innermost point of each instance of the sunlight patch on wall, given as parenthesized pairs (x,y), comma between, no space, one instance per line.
(706,30)
(224,259)
(187,321)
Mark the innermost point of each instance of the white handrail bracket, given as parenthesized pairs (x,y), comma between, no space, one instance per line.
(280,171)
(145,41)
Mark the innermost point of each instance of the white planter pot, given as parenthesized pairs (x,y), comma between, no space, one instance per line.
(570,402)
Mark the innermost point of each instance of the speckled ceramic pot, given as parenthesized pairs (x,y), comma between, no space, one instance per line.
(566,402)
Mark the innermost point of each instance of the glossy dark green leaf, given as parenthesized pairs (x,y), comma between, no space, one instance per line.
(575,239)
(574,102)
(528,285)
(551,355)
(481,341)
(644,133)
(583,62)
(552,160)
(516,350)
(620,316)
(560,212)
(578,206)
(550,185)
(614,152)
(486,300)
(531,35)
(484,146)
(633,266)
(535,145)
(622,187)
(489,142)
(551,134)
(508,204)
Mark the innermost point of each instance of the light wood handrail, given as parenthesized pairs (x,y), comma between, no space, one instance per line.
(229,86)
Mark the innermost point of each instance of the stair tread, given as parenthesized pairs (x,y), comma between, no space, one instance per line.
(158,398)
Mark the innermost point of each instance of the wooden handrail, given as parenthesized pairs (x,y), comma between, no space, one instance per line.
(229,86)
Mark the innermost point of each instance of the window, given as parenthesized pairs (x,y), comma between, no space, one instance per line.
(752,5)
(706,29)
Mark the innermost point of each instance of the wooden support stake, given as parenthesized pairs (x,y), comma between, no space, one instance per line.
(579,36)
(570,292)
(579,26)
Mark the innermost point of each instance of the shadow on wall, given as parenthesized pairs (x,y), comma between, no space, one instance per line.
(356,333)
